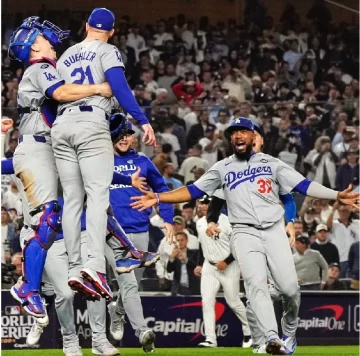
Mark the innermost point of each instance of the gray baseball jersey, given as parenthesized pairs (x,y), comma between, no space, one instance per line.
(39,80)
(251,188)
(216,248)
(86,63)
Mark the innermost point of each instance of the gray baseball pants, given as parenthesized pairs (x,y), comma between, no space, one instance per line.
(85,161)
(255,250)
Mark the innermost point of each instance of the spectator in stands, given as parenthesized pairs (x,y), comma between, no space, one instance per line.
(309,265)
(167,81)
(180,226)
(344,232)
(16,260)
(161,36)
(162,158)
(324,163)
(169,138)
(333,282)
(223,121)
(127,53)
(189,90)
(211,144)
(192,118)
(193,162)
(309,221)
(328,250)
(298,227)
(354,263)
(342,147)
(135,40)
(197,131)
(347,171)
(188,214)
(168,174)
(12,198)
(8,232)
(182,262)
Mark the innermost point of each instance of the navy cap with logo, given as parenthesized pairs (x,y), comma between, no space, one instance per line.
(210,128)
(241,123)
(130,130)
(303,240)
(102,19)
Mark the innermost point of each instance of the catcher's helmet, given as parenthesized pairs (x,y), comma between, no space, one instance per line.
(24,36)
(119,127)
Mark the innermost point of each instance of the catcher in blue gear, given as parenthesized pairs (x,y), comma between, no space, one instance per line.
(34,164)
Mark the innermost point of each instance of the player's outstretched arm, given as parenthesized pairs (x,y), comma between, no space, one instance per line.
(72,92)
(150,199)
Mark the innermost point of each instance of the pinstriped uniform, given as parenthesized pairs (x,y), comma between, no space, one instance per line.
(217,249)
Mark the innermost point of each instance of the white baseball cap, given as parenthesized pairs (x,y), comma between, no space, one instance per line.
(321,227)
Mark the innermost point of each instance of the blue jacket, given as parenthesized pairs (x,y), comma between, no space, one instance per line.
(133,221)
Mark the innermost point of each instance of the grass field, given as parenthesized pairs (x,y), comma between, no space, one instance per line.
(300,351)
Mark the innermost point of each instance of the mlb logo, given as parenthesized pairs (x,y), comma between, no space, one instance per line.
(98,25)
(12,310)
(130,161)
(238,121)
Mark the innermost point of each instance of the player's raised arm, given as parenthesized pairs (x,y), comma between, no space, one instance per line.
(291,180)
(113,67)
(206,185)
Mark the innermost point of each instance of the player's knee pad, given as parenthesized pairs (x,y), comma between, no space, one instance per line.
(47,223)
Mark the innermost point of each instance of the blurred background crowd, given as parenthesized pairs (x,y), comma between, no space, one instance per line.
(297,78)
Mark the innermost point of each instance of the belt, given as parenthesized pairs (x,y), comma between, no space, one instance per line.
(82,108)
(31,138)
(28,109)
(258,227)
(212,263)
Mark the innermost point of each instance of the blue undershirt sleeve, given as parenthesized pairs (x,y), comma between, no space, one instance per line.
(116,78)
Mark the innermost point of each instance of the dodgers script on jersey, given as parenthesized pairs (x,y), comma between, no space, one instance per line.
(86,63)
(251,188)
(36,81)
(215,248)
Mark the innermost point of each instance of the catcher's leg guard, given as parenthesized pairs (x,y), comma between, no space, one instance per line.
(116,231)
(46,225)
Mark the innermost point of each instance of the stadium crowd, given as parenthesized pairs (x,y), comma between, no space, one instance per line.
(296,79)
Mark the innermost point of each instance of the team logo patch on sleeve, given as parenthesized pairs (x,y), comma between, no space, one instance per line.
(44,66)
(264,160)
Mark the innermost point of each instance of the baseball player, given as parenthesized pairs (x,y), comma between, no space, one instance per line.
(55,281)
(82,143)
(217,268)
(33,45)
(134,223)
(251,182)
(216,207)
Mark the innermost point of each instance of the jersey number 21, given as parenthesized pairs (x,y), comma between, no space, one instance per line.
(82,74)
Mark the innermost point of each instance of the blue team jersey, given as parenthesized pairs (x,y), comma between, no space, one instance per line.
(133,221)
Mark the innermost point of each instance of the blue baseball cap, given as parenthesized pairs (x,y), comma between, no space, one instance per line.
(102,19)
(130,129)
(240,123)
(258,129)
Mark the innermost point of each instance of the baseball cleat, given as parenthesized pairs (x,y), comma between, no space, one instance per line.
(289,345)
(247,342)
(207,343)
(36,330)
(273,347)
(30,300)
(84,288)
(147,340)
(74,350)
(105,349)
(259,349)
(127,265)
(117,322)
(99,282)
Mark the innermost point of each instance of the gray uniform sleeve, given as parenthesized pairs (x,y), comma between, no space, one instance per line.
(210,181)
(111,58)
(287,177)
(45,78)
